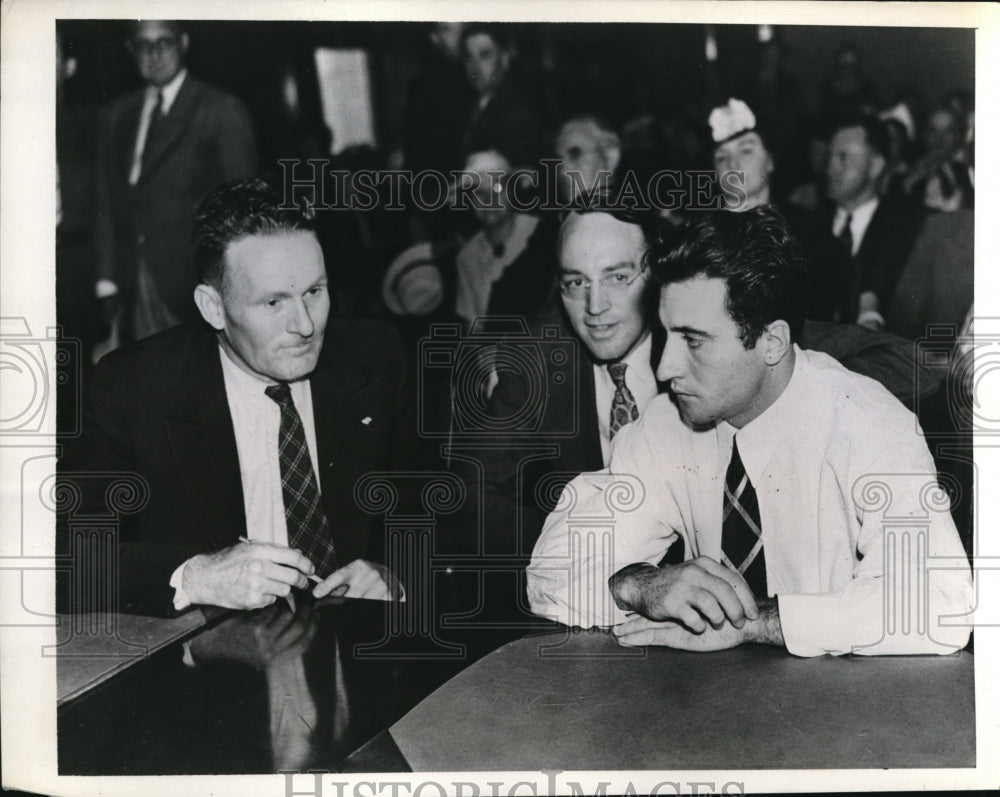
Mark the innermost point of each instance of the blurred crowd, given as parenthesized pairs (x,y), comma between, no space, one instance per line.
(879,190)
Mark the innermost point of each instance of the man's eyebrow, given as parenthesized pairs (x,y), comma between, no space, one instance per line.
(685,330)
(572,272)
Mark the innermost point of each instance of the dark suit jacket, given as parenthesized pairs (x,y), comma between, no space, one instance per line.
(159,409)
(523,473)
(206,139)
(510,123)
(937,284)
(884,249)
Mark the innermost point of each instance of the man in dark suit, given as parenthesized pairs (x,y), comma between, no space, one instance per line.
(161,148)
(878,231)
(505,116)
(607,316)
(229,425)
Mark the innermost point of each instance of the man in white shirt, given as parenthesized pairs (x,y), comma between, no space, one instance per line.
(804,494)
(249,430)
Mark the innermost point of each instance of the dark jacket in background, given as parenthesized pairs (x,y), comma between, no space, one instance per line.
(206,139)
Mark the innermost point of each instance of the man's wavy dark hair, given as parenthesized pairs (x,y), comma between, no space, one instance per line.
(235,210)
(761,263)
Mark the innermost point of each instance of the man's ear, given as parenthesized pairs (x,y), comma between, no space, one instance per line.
(209,303)
(184,43)
(612,157)
(777,340)
(876,167)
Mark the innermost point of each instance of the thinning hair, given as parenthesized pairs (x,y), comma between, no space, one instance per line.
(762,264)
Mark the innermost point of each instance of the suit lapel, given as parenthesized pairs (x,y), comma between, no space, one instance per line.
(204,445)
(173,126)
(339,392)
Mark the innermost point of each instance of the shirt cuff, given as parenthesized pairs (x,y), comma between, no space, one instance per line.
(871,319)
(105,288)
(181,600)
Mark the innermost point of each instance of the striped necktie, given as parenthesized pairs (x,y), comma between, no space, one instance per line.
(742,543)
(308,528)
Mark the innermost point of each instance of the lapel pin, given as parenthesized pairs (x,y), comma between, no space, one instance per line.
(367,420)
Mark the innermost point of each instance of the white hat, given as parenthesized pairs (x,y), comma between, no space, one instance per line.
(901,114)
(731,120)
(412,285)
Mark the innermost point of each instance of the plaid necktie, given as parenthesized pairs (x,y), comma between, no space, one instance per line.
(623,406)
(742,544)
(308,528)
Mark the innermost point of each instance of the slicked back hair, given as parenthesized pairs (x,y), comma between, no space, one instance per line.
(235,210)
(762,265)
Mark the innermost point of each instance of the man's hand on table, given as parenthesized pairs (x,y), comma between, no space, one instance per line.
(245,576)
(690,593)
(765,629)
(361,579)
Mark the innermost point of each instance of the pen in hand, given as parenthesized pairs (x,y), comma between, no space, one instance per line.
(312,577)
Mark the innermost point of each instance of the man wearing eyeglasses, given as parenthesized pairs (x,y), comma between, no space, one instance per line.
(161,148)
(608,311)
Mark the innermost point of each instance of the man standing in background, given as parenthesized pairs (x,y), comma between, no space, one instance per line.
(160,149)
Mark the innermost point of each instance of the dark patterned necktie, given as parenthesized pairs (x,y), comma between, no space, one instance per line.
(308,529)
(623,407)
(742,544)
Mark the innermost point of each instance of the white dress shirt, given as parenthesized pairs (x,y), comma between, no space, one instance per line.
(861,217)
(833,461)
(256,422)
(478,266)
(639,379)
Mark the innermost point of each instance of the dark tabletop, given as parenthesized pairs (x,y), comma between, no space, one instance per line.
(270,690)
(579,701)
(360,686)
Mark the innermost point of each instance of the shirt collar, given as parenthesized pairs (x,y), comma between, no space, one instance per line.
(759,439)
(238,379)
(171,90)
(860,216)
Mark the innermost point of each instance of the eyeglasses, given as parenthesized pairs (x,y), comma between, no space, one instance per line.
(145,47)
(577,288)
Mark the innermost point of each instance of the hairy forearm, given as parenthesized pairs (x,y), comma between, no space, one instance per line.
(766,629)
(628,583)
